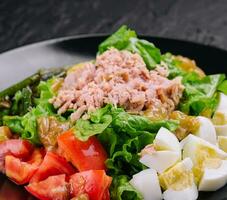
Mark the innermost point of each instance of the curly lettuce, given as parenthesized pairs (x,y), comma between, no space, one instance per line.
(122,190)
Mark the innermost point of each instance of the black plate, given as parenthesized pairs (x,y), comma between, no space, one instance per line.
(17,64)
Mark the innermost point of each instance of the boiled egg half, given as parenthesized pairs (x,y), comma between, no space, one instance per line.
(163,153)
(209,166)
(178,182)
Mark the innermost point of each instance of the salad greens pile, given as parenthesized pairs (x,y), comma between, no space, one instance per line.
(123,135)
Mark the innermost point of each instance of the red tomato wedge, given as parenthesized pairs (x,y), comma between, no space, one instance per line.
(106,195)
(15,147)
(20,171)
(52,188)
(52,164)
(83,155)
(93,183)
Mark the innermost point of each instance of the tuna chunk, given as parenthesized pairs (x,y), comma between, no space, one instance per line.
(120,78)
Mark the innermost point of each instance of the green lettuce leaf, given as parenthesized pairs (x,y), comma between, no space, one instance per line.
(3,112)
(85,128)
(223,87)
(125,156)
(173,69)
(26,125)
(118,40)
(22,101)
(121,189)
(200,95)
(14,123)
(133,124)
(126,39)
(150,54)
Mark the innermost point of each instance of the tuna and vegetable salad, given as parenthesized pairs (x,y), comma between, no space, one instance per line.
(131,124)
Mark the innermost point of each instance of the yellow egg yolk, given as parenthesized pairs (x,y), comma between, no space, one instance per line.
(205,157)
(177,178)
(222,142)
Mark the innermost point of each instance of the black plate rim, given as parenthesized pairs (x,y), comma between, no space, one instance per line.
(93,35)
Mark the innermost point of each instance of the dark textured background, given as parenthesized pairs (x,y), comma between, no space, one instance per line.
(28,21)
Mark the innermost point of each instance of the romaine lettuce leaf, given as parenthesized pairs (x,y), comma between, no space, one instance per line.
(85,128)
(121,189)
(133,124)
(118,40)
(200,95)
(150,54)
(223,87)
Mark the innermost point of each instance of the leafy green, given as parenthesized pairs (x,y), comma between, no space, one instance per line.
(26,125)
(99,121)
(126,39)
(200,94)
(132,124)
(3,112)
(223,87)
(44,88)
(119,39)
(22,101)
(125,158)
(173,69)
(121,189)
(14,123)
(150,54)
(128,135)
(85,129)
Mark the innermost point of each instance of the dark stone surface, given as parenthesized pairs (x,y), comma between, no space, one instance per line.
(28,21)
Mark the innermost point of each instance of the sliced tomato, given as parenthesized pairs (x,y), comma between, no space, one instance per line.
(93,183)
(15,147)
(21,171)
(52,164)
(37,156)
(106,195)
(83,155)
(52,188)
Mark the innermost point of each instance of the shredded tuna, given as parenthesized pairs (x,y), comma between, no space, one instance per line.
(120,78)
